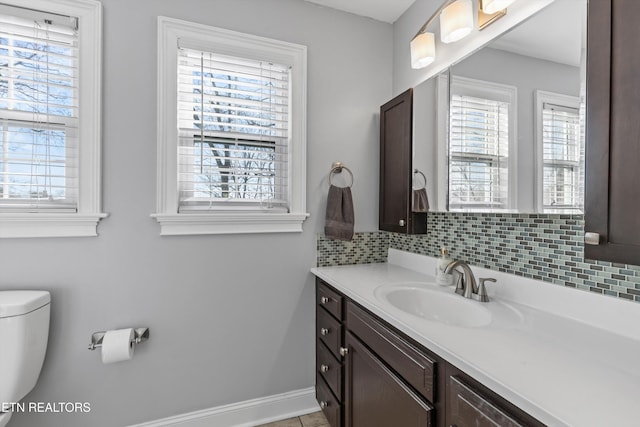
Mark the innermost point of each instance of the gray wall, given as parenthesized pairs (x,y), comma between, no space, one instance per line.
(231,317)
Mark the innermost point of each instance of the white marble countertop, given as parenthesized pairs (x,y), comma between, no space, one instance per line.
(568,357)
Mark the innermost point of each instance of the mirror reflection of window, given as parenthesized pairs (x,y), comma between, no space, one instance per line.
(480,141)
(561,152)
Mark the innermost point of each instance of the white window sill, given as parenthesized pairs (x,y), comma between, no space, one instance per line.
(229,223)
(17,225)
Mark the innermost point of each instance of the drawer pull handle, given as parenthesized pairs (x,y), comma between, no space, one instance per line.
(401,223)
(324,404)
(324,300)
(344,351)
(324,368)
(324,331)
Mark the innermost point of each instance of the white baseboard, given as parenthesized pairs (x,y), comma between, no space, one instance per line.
(246,414)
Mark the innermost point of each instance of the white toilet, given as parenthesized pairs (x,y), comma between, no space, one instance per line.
(24,330)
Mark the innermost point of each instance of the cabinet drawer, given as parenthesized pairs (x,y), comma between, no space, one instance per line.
(329,331)
(330,406)
(413,365)
(329,299)
(330,369)
(467,407)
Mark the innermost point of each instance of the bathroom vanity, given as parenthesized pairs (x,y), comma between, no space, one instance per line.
(393,349)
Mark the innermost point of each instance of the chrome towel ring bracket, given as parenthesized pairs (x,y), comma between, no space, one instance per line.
(337,168)
(418,172)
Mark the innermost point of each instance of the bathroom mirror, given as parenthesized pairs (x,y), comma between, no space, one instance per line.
(516,120)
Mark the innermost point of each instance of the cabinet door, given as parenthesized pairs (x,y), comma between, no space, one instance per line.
(396,150)
(612,193)
(416,368)
(375,396)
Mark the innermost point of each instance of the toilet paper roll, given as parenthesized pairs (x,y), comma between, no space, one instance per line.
(117,345)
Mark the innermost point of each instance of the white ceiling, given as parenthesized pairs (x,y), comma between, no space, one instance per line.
(381,10)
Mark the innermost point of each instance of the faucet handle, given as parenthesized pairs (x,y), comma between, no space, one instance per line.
(458,281)
(482,290)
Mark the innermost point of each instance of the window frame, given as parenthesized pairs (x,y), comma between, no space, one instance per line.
(83,222)
(541,98)
(488,90)
(222,41)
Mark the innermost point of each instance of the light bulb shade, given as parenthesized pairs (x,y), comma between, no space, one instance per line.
(456,21)
(423,50)
(493,6)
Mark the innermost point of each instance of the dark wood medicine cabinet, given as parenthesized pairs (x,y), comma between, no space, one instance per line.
(396,168)
(612,188)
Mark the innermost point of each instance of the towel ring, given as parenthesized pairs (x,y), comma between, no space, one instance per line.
(417,171)
(337,168)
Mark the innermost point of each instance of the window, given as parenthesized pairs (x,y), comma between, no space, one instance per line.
(480,146)
(560,152)
(233,132)
(47,88)
(231,136)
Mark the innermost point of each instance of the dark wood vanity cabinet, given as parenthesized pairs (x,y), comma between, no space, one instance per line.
(612,190)
(377,377)
(396,173)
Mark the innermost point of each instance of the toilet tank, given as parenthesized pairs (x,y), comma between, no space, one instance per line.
(24,331)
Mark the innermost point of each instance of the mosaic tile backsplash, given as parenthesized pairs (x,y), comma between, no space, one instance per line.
(365,248)
(540,246)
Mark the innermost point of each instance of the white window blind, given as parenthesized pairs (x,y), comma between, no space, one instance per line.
(233,120)
(478,153)
(562,154)
(38,111)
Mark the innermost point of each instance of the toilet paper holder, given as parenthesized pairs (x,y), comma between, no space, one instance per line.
(141,335)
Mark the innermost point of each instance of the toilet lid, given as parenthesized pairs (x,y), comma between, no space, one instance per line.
(16,303)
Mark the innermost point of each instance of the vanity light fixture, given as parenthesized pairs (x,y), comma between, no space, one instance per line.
(456,21)
(423,50)
(490,11)
(423,44)
(494,6)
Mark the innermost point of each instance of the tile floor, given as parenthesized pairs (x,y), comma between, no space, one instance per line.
(315,419)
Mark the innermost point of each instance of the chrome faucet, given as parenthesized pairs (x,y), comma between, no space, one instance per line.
(466,282)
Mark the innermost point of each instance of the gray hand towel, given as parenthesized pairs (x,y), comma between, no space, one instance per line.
(420,200)
(339,219)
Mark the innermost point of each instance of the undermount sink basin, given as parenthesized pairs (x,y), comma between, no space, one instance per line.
(440,305)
